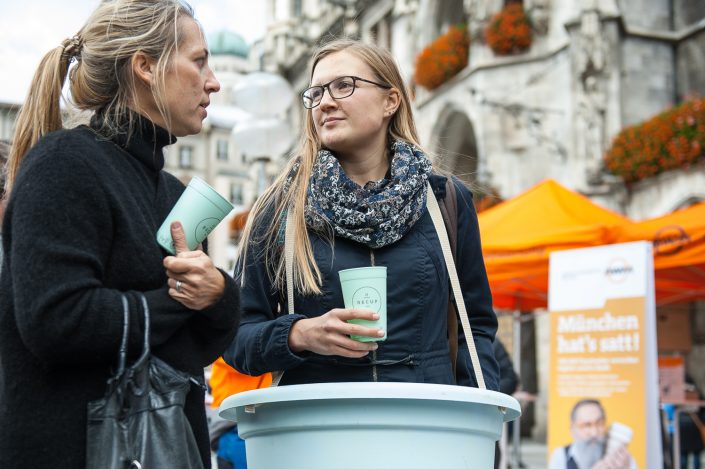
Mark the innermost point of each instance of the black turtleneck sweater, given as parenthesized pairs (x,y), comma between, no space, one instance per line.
(80,229)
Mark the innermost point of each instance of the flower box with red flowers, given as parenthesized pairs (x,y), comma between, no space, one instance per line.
(509,31)
(670,140)
(443,58)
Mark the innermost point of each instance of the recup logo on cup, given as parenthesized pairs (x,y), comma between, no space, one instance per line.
(367,298)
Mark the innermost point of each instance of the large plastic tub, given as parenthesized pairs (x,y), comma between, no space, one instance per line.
(370,425)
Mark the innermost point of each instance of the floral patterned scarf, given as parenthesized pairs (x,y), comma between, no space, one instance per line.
(378,214)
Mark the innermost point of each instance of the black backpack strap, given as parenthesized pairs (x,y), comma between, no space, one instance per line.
(449,210)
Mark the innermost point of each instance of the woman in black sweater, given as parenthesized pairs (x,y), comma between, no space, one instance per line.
(84,208)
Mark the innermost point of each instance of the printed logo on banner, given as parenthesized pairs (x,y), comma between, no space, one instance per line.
(618,269)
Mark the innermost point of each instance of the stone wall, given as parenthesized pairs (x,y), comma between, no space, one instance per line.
(521,124)
(647,14)
(666,192)
(690,64)
(687,12)
(648,84)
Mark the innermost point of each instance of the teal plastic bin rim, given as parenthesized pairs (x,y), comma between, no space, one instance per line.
(509,406)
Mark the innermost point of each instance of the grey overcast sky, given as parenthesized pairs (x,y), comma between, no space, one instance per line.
(30,28)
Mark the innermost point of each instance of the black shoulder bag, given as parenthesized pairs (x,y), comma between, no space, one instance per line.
(140,423)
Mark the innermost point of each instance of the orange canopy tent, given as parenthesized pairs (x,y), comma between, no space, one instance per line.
(519,234)
(679,252)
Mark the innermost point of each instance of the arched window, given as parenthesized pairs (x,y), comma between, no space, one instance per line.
(455,145)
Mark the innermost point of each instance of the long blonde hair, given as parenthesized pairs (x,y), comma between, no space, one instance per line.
(102,79)
(276,200)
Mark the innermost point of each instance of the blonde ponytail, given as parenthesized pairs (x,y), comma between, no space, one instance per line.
(41,112)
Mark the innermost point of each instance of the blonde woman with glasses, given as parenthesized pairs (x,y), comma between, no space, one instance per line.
(356,189)
(84,207)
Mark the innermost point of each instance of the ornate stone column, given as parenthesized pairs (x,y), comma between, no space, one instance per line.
(590,70)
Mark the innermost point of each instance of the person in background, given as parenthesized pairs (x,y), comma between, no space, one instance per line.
(79,231)
(690,423)
(588,426)
(357,188)
(508,378)
(225,441)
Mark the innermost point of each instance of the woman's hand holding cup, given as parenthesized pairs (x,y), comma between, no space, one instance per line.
(193,279)
(330,333)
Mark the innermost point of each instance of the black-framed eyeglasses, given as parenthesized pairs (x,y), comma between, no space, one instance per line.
(340,88)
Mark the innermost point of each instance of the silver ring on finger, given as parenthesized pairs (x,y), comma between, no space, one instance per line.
(178,286)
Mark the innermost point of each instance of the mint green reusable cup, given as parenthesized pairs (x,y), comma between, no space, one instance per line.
(199,209)
(366,288)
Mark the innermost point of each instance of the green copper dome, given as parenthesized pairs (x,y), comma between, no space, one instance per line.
(228,43)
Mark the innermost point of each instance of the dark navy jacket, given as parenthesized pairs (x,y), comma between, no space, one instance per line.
(416,348)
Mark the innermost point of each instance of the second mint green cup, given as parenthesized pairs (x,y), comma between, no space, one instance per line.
(366,288)
(199,209)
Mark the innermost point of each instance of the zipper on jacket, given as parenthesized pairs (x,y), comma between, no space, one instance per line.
(374,352)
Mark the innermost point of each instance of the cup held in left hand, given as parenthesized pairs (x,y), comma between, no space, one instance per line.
(366,288)
(199,209)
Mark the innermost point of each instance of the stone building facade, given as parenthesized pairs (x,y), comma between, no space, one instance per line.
(8,115)
(594,67)
(504,123)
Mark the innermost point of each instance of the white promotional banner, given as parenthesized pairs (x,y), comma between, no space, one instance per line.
(603,376)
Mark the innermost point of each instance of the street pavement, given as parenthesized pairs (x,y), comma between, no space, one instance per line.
(533,455)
